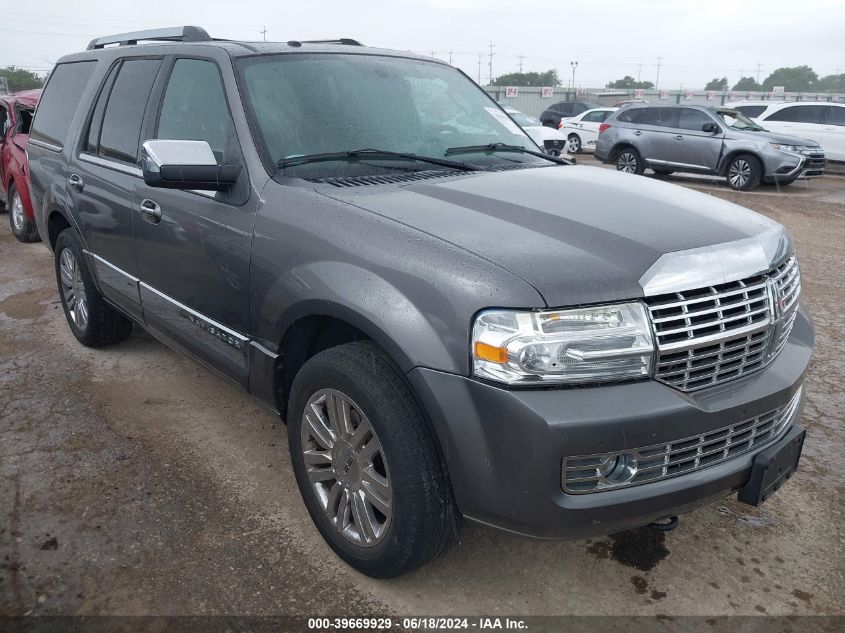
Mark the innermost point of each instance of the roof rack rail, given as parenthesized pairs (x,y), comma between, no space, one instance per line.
(347,41)
(173,34)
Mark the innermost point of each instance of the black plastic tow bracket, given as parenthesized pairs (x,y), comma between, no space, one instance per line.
(665,525)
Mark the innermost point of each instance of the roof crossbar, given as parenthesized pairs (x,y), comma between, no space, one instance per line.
(347,41)
(173,34)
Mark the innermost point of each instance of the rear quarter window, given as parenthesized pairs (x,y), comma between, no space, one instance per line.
(60,101)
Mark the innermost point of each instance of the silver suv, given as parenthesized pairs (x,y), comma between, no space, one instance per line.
(698,139)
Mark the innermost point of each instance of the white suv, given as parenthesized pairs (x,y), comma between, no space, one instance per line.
(820,121)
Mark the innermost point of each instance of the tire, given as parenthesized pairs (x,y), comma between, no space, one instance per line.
(420,519)
(744,172)
(93,322)
(574,144)
(629,161)
(22,228)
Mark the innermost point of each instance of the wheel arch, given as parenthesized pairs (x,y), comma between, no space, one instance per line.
(727,158)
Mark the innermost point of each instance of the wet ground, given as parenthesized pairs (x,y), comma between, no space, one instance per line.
(133,481)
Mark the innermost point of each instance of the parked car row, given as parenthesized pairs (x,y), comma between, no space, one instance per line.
(16,112)
(713,141)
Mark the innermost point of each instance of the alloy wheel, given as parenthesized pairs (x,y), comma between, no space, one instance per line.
(739,173)
(574,144)
(18,219)
(627,163)
(73,289)
(346,467)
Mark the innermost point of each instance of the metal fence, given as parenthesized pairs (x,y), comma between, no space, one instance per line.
(533,100)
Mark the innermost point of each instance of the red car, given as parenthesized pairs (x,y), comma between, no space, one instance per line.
(16,112)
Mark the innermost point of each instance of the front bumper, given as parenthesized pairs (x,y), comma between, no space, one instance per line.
(504,447)
(793,165)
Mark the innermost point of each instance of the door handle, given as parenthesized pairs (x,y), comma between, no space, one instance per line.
(150,211)
(679,137)
(75,181)
(638,133)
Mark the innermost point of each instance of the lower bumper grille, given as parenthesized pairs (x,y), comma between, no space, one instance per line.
(595,473)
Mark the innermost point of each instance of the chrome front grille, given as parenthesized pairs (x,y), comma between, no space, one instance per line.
(711,335)
(591,473)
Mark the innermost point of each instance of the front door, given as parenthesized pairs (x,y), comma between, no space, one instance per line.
(193,260)
(691,146)
(102,176)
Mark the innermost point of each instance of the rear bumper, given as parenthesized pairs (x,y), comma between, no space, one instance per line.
(504,448)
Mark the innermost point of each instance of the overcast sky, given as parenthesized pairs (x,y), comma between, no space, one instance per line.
(698,40)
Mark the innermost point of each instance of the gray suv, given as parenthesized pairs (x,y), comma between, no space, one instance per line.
(451,323)
(697,139)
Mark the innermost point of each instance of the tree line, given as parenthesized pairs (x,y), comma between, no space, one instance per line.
(792,78)
(20,79)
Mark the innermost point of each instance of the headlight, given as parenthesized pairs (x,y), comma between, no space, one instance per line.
(592,344)
(787,148)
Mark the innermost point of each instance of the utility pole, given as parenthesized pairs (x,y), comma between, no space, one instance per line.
(264,33)
(659,63)
(434,53)
(480,56)
(450,58)
(490,63)
(574,66)
(759,66)
(521,60)
(639,72)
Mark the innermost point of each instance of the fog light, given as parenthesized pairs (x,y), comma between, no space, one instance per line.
(617,469)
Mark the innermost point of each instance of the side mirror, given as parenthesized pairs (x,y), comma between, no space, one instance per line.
(172,164)
(711,127)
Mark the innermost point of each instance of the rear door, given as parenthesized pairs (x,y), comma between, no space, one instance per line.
(589,126)
(834,133)
(193,262)
(657,127)
(104,172)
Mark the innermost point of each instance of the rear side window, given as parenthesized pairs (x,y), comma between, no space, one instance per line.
(799,114)
(661,117)
(595,117)
(121,131)
(692,119)
(195,109)
(751,111)
(59,101)
(836,115)
(634,115)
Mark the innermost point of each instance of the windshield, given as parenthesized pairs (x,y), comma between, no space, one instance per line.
(737,120)
(523,119)
(308,104)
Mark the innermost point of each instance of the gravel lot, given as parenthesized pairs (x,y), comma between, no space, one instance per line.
(133,481)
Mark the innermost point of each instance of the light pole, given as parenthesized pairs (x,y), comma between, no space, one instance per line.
(574,65)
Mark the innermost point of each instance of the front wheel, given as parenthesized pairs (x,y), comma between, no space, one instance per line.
(744,172)
(574,143)
(23,228)
(367,464)
(628,160)
(93,322)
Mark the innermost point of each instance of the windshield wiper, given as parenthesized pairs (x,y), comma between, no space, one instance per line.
(504,147)
(372,154)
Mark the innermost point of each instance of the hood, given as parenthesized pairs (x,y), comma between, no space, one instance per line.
(772,137)
(577,234)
